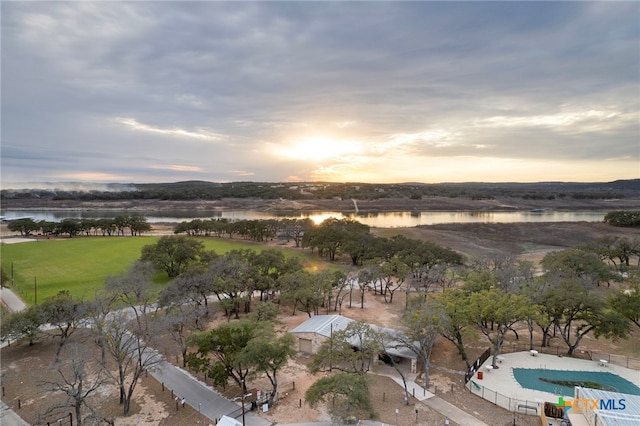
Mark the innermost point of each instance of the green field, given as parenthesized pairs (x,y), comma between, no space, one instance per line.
(80,265)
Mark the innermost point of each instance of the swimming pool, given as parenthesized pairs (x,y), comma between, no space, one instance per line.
(547,380)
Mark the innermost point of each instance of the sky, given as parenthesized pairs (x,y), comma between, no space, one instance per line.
(380,92)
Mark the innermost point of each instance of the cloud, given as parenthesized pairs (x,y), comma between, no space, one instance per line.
(203,134)
(226,90)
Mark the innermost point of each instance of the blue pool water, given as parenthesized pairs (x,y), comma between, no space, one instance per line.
(530,378)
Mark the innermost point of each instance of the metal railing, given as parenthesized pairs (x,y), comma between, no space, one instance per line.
(511,404)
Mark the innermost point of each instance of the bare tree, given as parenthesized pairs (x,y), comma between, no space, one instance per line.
(134,288)
(98,313)
(131,355)
(178,322)
(424,320)
(64,312)
(76,385)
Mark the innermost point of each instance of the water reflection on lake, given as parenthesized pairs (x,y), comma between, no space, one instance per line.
(382,220)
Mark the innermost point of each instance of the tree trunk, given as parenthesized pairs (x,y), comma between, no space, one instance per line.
(461,350)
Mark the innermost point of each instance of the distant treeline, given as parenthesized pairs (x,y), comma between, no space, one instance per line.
(199,190)
(135,224)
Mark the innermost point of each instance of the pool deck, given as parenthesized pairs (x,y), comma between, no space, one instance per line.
(502,380)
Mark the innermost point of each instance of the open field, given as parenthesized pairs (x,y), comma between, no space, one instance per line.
(80,265)
(525,240)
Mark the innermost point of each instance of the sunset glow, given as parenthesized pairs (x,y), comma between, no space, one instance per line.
(319,148)
(381,92)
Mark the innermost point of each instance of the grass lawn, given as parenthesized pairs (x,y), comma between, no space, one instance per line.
(80,265)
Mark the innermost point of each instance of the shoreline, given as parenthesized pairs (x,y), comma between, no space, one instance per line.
(431,204)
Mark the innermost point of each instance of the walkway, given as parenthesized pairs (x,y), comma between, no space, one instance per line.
(438,404)
(200,396)
(13,302)
(8,417)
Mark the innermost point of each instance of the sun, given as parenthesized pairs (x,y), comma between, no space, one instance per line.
(320,148)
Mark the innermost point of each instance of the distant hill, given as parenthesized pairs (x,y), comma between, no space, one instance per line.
(202,190)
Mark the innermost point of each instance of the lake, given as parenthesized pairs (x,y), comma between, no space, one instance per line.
(380,220)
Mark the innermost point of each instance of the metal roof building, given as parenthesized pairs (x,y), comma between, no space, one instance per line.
(324,325)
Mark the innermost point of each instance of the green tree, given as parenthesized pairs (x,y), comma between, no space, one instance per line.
(617,250)
(219,352)
(345,394)
(69,226)
(22,324)
(295,229)
(576,263)
(351,350)
(626,218)
(305,291)
(494,312)
(356,240)
(268,354)
(393,274)
(233,280)
(265,311)
(269,265)
(455,302)
(334,236)
(25,226)
(627,302)
(173,254)
(580,312)
(428,261)
(138,225)
(325,237)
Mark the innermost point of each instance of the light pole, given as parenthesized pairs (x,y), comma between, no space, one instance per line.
(242,397)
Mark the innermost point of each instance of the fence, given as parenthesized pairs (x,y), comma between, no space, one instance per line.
(535,407)
(558,350)
(622,361)
(511,404)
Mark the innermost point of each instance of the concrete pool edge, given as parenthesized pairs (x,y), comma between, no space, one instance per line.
(500,386)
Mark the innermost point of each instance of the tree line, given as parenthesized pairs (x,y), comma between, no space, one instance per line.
(116,226)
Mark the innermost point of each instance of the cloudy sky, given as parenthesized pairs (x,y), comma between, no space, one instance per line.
(331,91)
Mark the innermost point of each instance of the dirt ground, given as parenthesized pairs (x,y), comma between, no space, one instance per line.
(25,369)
